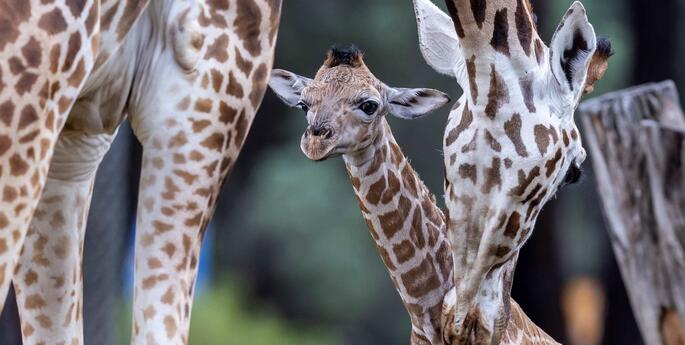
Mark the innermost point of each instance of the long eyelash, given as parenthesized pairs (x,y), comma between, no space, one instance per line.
(303,105)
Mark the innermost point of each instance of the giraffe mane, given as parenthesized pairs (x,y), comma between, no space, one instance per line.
(347,55)
(604,48)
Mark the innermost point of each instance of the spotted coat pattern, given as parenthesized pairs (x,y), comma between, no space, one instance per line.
(41,75)
(190,77)
(406,225)
(410,233)
(408,230)
(508,145)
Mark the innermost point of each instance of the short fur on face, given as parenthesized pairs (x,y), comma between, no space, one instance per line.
(345,102)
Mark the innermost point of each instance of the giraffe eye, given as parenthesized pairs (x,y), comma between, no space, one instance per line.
(369,107)
(302,105)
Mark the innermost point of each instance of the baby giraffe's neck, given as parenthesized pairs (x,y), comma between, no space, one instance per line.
(408,230)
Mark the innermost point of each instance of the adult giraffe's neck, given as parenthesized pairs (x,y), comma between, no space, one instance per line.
(408,230)
(500,45)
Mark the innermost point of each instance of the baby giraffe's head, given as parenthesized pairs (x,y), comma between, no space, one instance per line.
(344,103)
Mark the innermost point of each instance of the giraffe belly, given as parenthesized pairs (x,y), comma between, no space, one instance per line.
(125,65)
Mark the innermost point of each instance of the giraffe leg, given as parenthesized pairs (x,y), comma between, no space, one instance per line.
(494,301)
(181,176)
(186,155)
(175,204)
(48,278)
(192,111)
(39,81)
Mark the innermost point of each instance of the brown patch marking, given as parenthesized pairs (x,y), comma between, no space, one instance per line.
(247,25)
(513,130)
(513,225)
(464,123)
(403,251)
(524,180)
(393,221)
(493,176)
(498,94)
(468,171)
(421,279)
(494,144)
(551,164)
(500,33)
(524,27)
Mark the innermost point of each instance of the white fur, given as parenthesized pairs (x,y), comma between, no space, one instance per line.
(438,40)
(288,86)
(422,105)
(574,20)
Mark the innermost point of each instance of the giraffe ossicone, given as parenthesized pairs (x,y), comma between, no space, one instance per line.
(405,223)
(510,142)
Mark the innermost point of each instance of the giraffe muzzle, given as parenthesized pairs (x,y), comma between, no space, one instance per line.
(318,141)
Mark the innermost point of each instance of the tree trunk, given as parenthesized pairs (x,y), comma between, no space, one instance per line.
(637,143)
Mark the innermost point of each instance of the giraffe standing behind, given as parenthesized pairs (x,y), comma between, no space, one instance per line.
(510,142)
(346,107)
(189,76)
(40,78)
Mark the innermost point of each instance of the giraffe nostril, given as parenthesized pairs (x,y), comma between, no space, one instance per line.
(315,131)
(321,131)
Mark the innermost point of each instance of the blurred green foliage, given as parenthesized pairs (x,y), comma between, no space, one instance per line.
(304,221)
(225,315)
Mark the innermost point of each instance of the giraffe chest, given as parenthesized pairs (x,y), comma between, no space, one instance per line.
(500,172)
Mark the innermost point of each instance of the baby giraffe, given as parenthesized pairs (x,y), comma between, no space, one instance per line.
(346,107)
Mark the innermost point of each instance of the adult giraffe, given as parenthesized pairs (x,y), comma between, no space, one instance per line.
(510,142)
(189,76)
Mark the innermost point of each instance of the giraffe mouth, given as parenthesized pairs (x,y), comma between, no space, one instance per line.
(318,148)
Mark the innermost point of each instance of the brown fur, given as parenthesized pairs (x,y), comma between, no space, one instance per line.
(599,64)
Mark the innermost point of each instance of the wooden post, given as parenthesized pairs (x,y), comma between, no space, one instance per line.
(636,139)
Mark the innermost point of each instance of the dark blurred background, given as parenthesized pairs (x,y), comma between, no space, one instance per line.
(288,259)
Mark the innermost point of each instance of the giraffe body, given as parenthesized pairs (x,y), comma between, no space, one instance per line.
(406,225)
(190,77)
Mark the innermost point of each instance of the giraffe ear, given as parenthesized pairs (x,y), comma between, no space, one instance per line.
(288,86)
(571,50)
(414,103)
(437,38)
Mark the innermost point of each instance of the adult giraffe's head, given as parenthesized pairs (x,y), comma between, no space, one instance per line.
(511,140)
(494,51)
(345,102)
